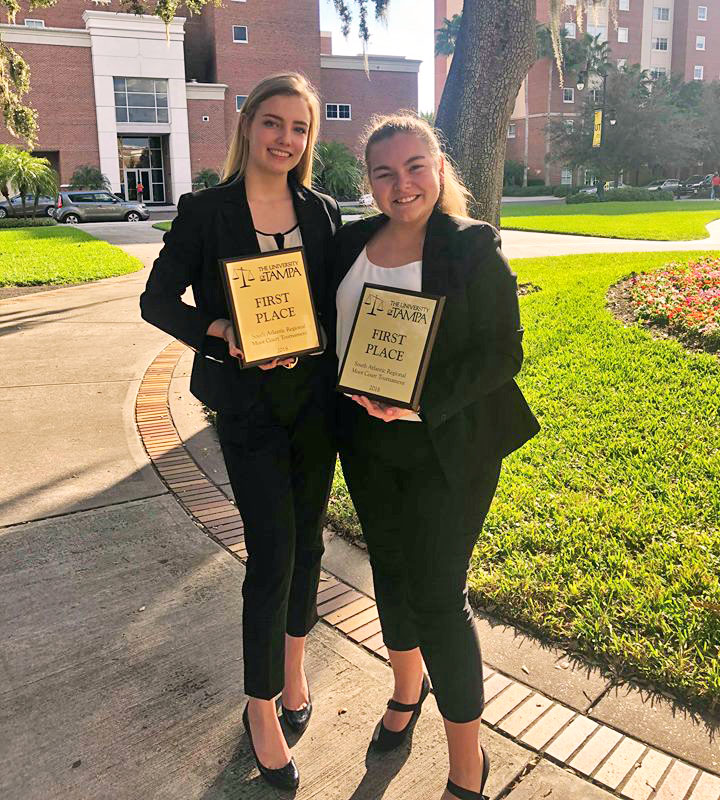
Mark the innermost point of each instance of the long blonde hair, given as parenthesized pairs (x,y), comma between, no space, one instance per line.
(454,196)
(289,84)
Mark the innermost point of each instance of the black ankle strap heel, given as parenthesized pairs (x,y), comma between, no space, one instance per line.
(388,740)
(467,794)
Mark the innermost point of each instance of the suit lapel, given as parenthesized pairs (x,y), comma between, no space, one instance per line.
(435,269)
(240,238)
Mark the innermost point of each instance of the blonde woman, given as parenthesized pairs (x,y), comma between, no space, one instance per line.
(423,483)
(272,420)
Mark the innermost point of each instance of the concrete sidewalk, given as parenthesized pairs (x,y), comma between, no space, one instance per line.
(121,662)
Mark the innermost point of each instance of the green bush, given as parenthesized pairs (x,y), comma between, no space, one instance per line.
(27,222)
(572,199)
(626,195)
(632,194)
(536,182)
(564,191)
(86,176)
(527,191)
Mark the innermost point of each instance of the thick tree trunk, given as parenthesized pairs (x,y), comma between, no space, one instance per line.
(526,154)
(495,49)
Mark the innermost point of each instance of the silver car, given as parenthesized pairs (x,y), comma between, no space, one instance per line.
(97,205)
(45,207)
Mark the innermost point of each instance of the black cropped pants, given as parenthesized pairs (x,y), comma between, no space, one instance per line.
(420,534)
(280,460)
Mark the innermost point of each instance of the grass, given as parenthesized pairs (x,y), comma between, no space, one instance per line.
(605,531)
(58,255)
(163,226)
(662,221)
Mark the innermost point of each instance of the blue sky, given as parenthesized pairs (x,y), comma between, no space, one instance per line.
(409,33)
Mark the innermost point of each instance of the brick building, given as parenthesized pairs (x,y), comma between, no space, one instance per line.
(143,103)
(664,36)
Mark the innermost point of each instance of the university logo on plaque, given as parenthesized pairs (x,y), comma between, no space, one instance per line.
(390,345)
(271,305)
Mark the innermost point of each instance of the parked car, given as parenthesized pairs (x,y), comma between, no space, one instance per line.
(46,206)
(97,205)
(664,184)
(694,184)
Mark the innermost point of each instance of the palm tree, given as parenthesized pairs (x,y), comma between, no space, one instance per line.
(7,162)
(206,178)
(336,169)
(33,176)
(88,177)
(446,36)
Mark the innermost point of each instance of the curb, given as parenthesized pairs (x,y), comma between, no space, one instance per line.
(599,753)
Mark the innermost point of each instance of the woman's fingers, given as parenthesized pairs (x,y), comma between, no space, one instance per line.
(270,365)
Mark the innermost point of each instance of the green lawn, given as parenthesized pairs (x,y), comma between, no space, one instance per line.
(662,221)
(163,226)
(605,531)
(57,255)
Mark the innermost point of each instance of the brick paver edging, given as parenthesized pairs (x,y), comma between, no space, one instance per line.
(625,766)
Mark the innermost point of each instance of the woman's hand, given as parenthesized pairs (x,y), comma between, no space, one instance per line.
(223,329)
(279,362)
(229,336)
(385,413)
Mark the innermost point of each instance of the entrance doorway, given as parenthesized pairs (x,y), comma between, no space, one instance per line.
(132,178)
(141,160)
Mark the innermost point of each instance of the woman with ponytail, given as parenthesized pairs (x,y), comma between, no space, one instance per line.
(422,483)
(272,420)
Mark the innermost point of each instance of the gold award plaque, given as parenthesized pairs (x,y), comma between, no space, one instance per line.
(390,345)
(271,305)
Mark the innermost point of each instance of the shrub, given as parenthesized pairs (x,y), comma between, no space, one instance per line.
(631,194)
(572,199)
(564,191)
(536,182)
(527,191)
(205,179)
(27,222)
(683,297)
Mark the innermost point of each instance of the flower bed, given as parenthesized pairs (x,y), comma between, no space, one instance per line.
(683,297)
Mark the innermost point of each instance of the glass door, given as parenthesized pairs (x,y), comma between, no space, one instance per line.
(132,178)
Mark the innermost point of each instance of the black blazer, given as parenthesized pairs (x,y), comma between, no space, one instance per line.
(473,408)
(212,224)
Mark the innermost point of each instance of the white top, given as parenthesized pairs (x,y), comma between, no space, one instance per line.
(408,276)
(279,241)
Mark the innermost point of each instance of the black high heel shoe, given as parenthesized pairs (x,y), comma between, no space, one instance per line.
(286,777)
(388,740)
(298,720)
(466,794)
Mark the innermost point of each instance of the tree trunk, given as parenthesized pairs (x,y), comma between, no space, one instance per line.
(526,154)
(494,51)
(551,75)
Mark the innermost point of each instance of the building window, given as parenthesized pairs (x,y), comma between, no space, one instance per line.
(141,161)
(566,177)
(699,42)
(657,72)
(589,179)
(702,13)
(661,13)
(512,130)
(622,34)
(568,95)
(624,5)
(338,111)
(699,73)
(570,30)
(660,43)
(240,98)
(240,34)
(34,23)
(141,100)
(598,30)
(569,125)
(596,96)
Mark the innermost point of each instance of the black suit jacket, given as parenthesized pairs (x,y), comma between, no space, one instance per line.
(212,224)
(474,410)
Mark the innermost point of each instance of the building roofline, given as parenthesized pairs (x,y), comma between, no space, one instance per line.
(375,63)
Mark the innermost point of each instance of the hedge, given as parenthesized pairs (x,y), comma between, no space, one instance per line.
(527,191)
(626,195)
(27,222)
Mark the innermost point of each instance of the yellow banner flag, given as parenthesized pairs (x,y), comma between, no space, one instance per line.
(598,129)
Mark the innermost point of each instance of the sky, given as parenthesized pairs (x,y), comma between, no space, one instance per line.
(408,32)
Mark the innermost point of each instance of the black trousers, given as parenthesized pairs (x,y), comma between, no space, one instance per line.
(420,533)
(280,460)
